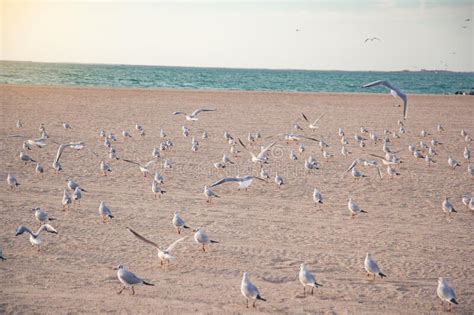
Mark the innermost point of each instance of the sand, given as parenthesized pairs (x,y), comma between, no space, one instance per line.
(266,231)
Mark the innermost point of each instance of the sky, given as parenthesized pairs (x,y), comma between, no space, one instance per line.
(300,34)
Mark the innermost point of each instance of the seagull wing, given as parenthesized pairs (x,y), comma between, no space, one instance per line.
(316,121)
(380,157)
(354,163)
(131,162)
(149,163)
(265,150)
(309,138)
(172,246)
(197,111)
(304,116)
(142,238)
(225,180)
(179,113)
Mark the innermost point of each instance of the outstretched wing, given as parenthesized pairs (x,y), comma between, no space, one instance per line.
(266,148)
(197,111)
(142,238)
(379,82)
(172,246)
(225,180)
(309,138)
(354,163)
(47,228)
(128,161)
(304,116)
(179,113)
(149,163)
(319,118)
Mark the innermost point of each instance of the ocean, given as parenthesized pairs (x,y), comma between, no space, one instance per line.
(101,75)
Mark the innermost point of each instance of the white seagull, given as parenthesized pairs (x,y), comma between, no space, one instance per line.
(12,182)
(164,255)
(178,222)
(394,91)
(244,182)
(129,279)
(201,237)
(105,212)
(249,290)
(35,238)
(371,267)
(143,168)
(307,279)
(446,293)
(193,116)
(354,208)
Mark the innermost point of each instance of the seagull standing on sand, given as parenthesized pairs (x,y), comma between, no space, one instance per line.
(317,197)
(193,116)
(42,216)
(129,279)
(12,182)
(446,293)
(209,194)
(104,167)
(447,206)
(39,169)
(396,92)
(201,237)
(66,200)
(35,238)
(156,189)
(105,212)
(453,163)
(26,158)
(1,255)
(307,279)
(354,208)
(371,267)
(77,195)
(249,290)
(178,222)
(163,255)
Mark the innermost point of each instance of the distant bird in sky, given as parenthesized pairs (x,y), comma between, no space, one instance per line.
(371,39)
(297,29)
(467,20)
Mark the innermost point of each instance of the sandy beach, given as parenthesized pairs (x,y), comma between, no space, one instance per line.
(267,231)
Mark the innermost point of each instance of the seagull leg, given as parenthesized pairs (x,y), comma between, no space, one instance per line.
(254,302)
(203,248)
(133,291)
(247,303)
(304,291)
(119,292)
(312,288)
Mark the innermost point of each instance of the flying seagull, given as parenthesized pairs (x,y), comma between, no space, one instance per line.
(193,116)
(394,91)
(371,39)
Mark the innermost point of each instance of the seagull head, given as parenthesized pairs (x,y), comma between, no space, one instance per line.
(302,266)
(120,267)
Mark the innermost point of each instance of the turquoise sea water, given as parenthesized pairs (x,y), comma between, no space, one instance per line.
(99,75)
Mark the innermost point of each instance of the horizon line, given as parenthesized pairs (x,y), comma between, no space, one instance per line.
(227,68)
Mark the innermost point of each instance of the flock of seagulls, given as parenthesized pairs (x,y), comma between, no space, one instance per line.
(260,157)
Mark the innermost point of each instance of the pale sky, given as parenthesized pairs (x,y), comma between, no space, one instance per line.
(414,34)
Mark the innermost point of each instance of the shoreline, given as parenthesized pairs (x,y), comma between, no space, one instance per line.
(215,91)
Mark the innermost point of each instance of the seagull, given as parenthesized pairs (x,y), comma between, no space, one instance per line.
(129,279)
(105,212)
(66,125)
(392,172)
(26,158)
(77,195)
(66,200)
(317,197)
(41,215)
(201,237)
(40,143)
(164,255)
(394,91)
(249,290)
(126,134)
(156,189)
(178,222)
(193,116)
(143,168)
(209,194)
(448,207)
(72,185)
(278,180)
(1,253)
(356,174)
(354,208)
(371,267)
(466,199)
(467,153)
(313,125)
(264,174)
(244,182)
(105,167)
(19,123)
(225,159)
(39,169)
(12,182)
(371,39)
(158,178)
(446,293)
(453,163)
(35,238)
(260,157)
(307,279)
